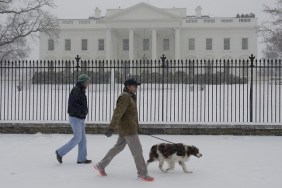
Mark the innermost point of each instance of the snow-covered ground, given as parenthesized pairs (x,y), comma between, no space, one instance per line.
(28,161)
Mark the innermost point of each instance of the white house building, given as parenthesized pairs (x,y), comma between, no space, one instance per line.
(143,31)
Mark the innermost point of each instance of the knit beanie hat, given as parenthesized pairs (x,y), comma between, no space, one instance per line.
(83,78)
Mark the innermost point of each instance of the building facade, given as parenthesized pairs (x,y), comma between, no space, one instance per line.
(146,32)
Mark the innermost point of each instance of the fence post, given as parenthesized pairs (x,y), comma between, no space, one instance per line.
(252,58)
(163,58)
(77,58)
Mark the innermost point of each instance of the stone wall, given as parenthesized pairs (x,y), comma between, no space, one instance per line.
(169,129)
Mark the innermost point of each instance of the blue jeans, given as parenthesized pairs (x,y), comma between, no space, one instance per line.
(79,138)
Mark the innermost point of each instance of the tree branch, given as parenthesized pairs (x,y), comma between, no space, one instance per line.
(30,7)
(24,22)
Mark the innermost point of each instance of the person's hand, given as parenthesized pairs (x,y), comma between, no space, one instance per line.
(109,132)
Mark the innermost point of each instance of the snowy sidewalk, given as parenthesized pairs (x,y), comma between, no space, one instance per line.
(28,161)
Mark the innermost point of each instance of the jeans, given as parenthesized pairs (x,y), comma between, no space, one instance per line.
(79,138)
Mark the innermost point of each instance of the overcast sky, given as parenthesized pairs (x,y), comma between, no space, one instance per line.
(82,9)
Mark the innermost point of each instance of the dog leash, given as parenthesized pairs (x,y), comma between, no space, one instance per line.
(160,139)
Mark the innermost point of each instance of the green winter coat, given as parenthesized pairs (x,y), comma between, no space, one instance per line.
(125,116)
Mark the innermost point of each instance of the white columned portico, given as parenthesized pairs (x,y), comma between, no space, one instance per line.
(154,44)
(109,44)
(177,43)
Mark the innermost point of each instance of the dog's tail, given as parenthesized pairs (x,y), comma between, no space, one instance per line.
(153,154)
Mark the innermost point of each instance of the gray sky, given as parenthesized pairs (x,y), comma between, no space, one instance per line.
(74,9)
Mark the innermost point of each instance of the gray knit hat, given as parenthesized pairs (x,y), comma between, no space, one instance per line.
(83,78)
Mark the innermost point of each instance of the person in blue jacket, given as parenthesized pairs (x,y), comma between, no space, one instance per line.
(77,110)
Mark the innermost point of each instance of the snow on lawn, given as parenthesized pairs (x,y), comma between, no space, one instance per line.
(28,161)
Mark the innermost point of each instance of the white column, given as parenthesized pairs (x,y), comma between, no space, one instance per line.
(177,44)
(109,44)
(131,50)
(131,43)
(109,54)
(154,44)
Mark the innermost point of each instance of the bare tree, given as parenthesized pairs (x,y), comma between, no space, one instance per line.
(272,31)
(273,48)
(21,19)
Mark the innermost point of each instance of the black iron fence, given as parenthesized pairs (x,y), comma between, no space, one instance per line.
(181,91)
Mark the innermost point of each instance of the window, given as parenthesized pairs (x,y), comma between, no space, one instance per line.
(209,21)
(226,21)
(125,44)
(84,45)
(166,44)
(145,44)
(226,44)
(67,22)
(208,44)
(244,20)
(50,45)
(191,44)
(67,44)
(101,44)
(84,22)
(245,44)
(191,21)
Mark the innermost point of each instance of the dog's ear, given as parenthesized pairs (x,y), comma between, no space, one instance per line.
(190,147)
(188,150)
(191,150)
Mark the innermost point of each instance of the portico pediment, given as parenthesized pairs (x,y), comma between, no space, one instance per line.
(142,11)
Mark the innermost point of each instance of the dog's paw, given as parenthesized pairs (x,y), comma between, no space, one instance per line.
(162,170)
(167,170)
(188,172)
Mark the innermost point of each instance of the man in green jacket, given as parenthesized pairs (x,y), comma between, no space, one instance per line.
(125,120)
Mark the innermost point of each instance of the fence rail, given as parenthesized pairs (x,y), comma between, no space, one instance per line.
(180,91)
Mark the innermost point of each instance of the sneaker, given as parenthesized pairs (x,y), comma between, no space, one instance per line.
(100,170)
(146,178)
(84,162)
(59,158)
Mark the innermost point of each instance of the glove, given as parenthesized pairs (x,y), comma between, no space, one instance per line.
(109,132)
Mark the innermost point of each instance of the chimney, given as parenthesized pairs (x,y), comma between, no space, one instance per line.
(198,11)
(97,12)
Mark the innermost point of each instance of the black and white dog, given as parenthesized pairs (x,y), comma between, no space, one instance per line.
(172,153)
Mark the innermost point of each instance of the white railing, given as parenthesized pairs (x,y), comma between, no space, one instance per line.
(218,20)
